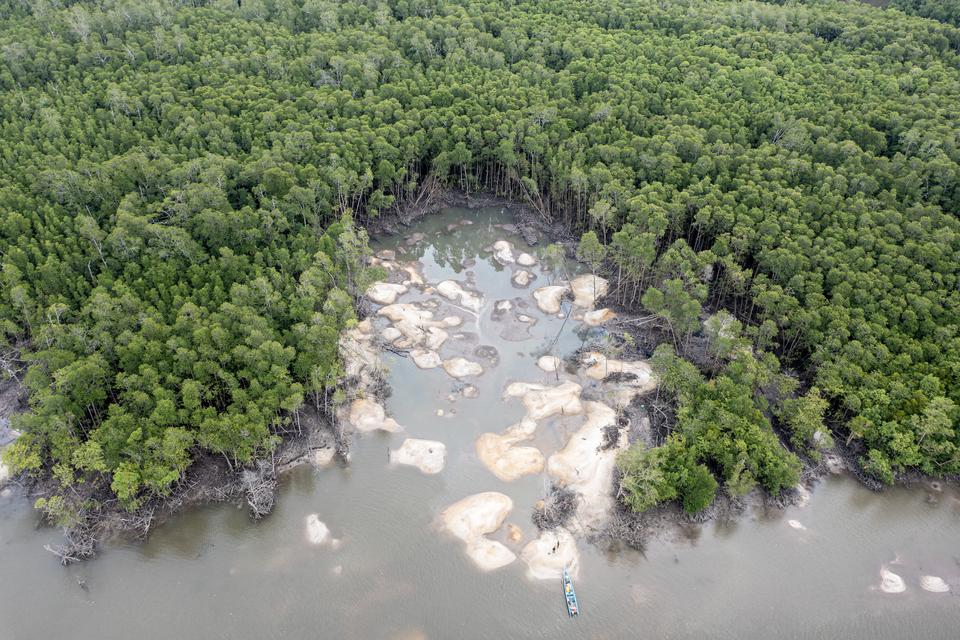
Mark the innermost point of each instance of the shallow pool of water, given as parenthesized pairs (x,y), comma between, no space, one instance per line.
(213,573)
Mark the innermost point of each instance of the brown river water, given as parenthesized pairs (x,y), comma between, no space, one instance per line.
(213,573)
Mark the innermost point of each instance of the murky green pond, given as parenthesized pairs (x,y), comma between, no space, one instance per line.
(212,573)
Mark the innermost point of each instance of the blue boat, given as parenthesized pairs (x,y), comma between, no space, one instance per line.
(573,609)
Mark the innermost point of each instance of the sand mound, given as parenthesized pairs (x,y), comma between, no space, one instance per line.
(425,358)
(503,252)
(367,415)
(317,531)
(435,338)
(427,455)
(390,334)
(598,317)
(414,323)
(522,278)
(934,584)
(643,379)
(587,290)
(360,357)
(461,367)
(414,279)
(891,582)
(499,453)
(550,553)
(453,291)
(583,466)
(526,260)
(549,363)
(542,401)
(385,292)
(475,516)
(548,298)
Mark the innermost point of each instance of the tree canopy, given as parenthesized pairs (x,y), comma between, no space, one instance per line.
(185,185)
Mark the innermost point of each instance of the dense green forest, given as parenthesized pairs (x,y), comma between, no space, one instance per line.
(943,10)
(185,186)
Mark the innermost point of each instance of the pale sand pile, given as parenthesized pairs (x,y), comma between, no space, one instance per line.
(503,251)
(587,290)
(425,358)
(461,367)
(934,584)
(598,317)
(542,401)
(367,415)
(317,531)
(453,291)
(427,455)
(622,392)
(526,260)
(583,466)
(548,298)
(414,279)
(475,516)
(360,356)
(543,563)
(499,453)
(891,582)
(385,292)
(522,278)
(414,323)
(435,338)
(548,363)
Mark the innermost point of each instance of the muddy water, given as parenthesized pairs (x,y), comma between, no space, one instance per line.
(212,573)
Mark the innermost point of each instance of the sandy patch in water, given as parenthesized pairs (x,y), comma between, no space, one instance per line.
(475,516)
(587,290)
(522,278)
(429,456)
(586,468)
(542,401)
(598,317)
(547,555)
(385,292)
(503,252)
(453,291)
(548,363)
(414,323)
(461,367)
(934,584)
(425,358)
(501,455)
(891,582)
(548,298)
(317,531)
(367,415)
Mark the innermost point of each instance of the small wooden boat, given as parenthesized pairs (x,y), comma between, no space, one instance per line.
(573,609)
